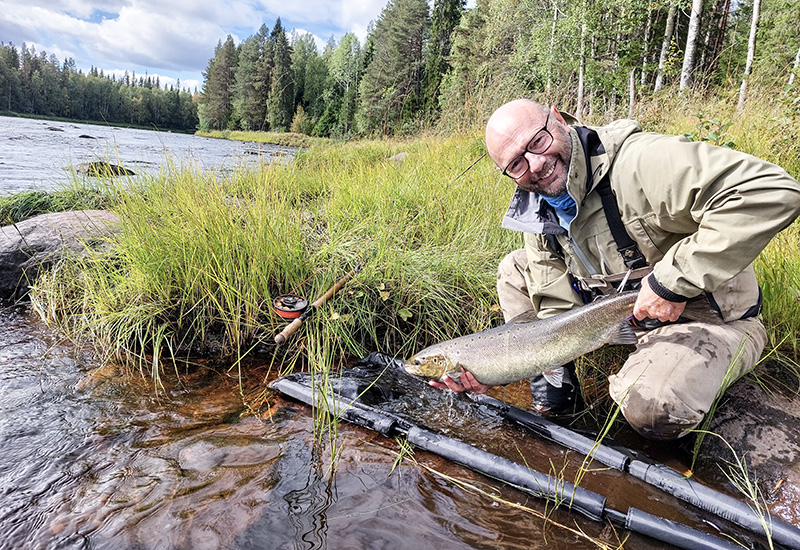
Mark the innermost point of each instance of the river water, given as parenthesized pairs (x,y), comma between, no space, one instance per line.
(96,458)
(37,154)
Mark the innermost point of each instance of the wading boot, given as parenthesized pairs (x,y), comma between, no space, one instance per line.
(556,392)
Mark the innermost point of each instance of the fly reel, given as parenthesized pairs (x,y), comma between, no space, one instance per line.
(290,306)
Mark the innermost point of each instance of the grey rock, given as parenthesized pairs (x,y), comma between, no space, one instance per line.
(99,169)
(398,159)
(31,246)
(760,427)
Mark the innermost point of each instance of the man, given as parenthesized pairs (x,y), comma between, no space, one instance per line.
(681,219)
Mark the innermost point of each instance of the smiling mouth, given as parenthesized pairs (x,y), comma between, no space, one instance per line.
(547,174)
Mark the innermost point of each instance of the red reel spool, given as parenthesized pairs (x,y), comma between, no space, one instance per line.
(290,306)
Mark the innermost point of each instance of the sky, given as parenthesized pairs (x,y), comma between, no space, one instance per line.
(171,39)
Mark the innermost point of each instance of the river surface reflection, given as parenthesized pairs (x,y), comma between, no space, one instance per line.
(94,460)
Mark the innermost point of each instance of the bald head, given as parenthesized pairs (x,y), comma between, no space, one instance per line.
(510,130)
(510,119)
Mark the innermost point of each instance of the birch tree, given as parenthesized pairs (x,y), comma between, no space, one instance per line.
(662,59)
(751,51)
(795,67)
(646,48)
(691,44)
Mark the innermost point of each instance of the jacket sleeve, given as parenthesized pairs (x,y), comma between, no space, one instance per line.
(728,204)
(549,283)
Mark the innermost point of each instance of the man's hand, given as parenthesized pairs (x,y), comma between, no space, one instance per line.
(650,304)
(467,383)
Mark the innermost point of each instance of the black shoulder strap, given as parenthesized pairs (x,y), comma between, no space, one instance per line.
(627,248)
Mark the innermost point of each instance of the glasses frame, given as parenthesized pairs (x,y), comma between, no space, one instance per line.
(528,149)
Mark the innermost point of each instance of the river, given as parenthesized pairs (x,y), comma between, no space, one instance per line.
(97,458)
(37,154)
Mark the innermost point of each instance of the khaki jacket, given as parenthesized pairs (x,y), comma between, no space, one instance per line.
(699,213)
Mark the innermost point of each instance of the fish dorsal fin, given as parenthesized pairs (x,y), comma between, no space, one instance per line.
(522,318)
(624,335)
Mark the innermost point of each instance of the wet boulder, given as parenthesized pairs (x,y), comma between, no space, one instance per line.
(31,246)
(754,440)
(99,169)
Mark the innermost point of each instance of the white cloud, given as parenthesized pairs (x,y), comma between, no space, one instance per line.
(177,36)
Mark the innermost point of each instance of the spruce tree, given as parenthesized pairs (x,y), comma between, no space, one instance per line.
(253,81)
(281,97)
(391,84)
(216,101)
(446,17)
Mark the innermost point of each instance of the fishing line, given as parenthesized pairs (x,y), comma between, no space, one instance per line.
(468,167)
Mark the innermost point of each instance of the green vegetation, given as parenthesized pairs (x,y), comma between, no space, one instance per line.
(84,196)
(199,259)
(444,66)
(288,139)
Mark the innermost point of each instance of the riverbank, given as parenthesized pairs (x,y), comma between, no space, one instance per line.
(91,122)
(200,258)
(286,139)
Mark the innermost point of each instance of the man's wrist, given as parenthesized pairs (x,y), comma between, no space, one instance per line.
(663,292)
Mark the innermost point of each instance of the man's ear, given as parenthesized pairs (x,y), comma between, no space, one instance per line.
(555,114)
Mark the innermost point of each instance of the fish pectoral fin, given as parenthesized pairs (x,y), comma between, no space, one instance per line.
(525,317)
(624,335)
(554,377)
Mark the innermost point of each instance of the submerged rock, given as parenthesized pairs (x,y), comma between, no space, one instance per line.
(31,246)
(99,169)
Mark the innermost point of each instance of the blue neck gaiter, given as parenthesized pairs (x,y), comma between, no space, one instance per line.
(564,202)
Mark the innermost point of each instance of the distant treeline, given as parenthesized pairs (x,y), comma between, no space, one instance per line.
(32,83)
(420,67)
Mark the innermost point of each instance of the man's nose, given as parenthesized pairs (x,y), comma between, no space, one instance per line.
(535,162)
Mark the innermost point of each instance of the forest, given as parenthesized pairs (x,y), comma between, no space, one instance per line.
(448,66)
(34,83)
(441,66)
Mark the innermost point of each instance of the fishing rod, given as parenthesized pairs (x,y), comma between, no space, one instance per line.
(588,503)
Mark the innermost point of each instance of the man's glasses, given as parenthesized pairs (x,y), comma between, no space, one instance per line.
(539,143)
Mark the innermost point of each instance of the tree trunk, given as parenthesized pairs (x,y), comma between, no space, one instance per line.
(581,73)
(795,67)
(632,93)
(662,60)
(751,51)
(691,44)
(549,84)
(646,49)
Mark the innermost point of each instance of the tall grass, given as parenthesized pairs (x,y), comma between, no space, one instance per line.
(199,259)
